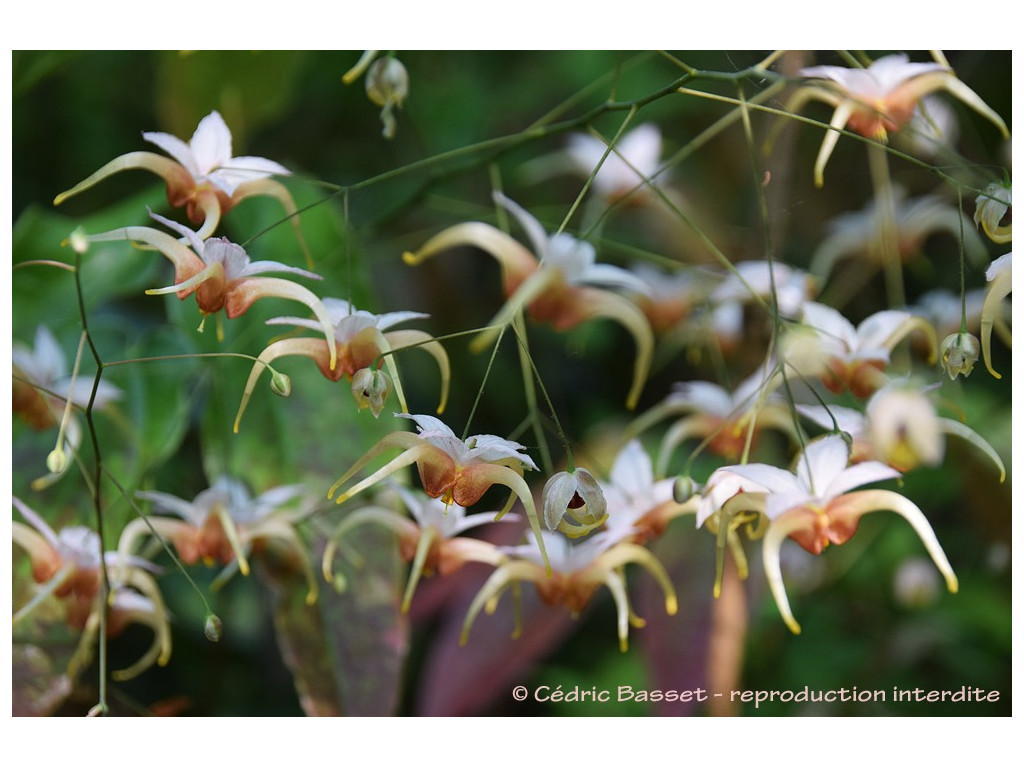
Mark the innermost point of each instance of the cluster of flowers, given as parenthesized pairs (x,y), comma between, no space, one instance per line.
(586,530)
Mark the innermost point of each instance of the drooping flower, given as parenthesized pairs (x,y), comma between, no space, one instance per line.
(816,506)
(576,571)
(959,352)
(670,297)
(859,234)
(558,285)
(43,393)
(574,503)
(880,98)
(359,344)
(220,273)
(431,540)
(224,524)
(990,209)
(899,427)
(201,175)
(454,470)
(68,567)
(637,502)
(849,358)
(1000,283)
(726,420)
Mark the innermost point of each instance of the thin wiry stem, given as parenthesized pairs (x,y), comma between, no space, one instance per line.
(96,490)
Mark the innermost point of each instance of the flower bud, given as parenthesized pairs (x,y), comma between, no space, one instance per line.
(57,460)
(959,354)
(577,496)
(280,383)
(370,388)
(387,85)
(213,627)
(683,489)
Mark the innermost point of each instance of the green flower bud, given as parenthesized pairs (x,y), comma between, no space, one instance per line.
(57,460)
(683,489)
(213,627)
(280,383)
(959,354)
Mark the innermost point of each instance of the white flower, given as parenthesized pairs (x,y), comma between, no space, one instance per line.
(431,541)
(207,157)
(359,343)
(760,279)
(577,570)
(632,162)
(848,357)
(451,469)
(859,233)
(221,523)
(881,98)
(560,283)
(817,506)
(639,504)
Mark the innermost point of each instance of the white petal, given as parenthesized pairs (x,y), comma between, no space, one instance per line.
(633,470)
(258,267)
(176,148)
(211,143)
(534,231)
(821,463)
(858,475)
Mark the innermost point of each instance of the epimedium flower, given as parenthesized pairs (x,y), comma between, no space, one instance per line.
(755,282)
(899,427)
(577,570)
(726,420)
(201,175)
(628,167)
(558,285)
(221,274)
(360,341)
(990,209)
(224,524)
(817,506)
(68,567)
(431,541)
(1000,282)
(44,396)
(574,503)
(638,503)
(859,234)
(847,357)
(880,98)
(670,297)
(451,469)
